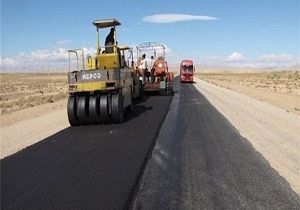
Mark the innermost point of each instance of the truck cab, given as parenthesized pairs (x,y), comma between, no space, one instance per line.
(187,70)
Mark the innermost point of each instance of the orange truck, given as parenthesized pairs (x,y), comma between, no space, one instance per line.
(187,70)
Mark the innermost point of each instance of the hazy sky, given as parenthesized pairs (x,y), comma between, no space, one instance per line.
(35,34)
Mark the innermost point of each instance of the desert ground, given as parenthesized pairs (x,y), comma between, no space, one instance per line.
(25,90)
(33,106)
(280,88)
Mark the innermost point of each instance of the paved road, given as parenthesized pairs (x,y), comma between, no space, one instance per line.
(200,161)
(88,167)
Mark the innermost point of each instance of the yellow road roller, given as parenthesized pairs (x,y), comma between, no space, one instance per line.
(101,87)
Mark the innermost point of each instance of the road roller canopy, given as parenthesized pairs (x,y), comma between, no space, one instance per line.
(106,23)
(124,48)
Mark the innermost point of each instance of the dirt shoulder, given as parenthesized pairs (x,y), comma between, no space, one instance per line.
(25,127)
(31,112)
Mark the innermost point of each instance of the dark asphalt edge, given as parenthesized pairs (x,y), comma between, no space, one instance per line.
(134,192)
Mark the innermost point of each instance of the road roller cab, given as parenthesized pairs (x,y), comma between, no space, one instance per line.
(100,86)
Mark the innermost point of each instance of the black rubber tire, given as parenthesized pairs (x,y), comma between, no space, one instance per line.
(104,112)
(130,107)
(117,108)
(72,111)
(83,110)
(94,109)
(141,89)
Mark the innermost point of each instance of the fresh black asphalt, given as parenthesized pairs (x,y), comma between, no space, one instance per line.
(85,167)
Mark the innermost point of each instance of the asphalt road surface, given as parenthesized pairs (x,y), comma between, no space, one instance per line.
(87,167)
(200,161)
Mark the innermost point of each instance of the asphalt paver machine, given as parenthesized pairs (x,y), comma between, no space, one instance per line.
(156,78)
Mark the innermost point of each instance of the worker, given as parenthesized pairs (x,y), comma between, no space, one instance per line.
(144,68)
(109,41)
(152,67)
(124,61)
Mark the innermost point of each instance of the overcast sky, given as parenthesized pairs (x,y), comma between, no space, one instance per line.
(35,34)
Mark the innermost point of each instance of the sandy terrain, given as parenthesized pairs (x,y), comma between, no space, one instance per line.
(280,88)
(269,118)
(21,91)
